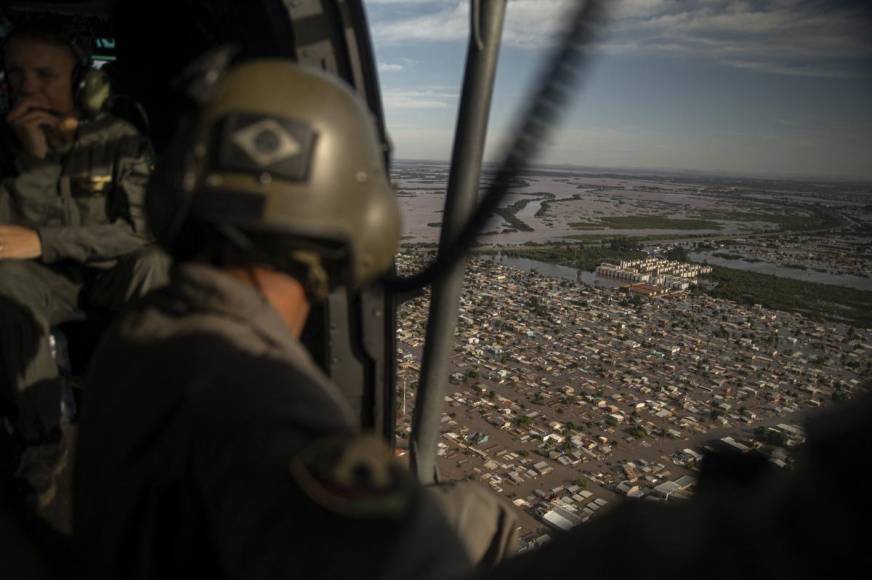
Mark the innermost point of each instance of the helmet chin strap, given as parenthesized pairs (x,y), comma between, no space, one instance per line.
(317,282)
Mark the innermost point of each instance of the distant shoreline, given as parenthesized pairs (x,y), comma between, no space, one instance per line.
(637,172)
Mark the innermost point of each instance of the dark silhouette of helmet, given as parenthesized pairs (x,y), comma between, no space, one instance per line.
(286,150)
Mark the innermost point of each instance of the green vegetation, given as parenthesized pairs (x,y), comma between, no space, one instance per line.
(770,436)
(802,218)
(546,205)
(636,432)
(813,218)
(649,238)
(538,308)
(650,222)
(677,253)
(818,301)
(622,244)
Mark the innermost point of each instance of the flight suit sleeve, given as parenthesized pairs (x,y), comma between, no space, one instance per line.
(484,522)
(29,175)
(126,230)
(301,496)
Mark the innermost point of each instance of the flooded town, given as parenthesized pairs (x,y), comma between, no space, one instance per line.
(573,387)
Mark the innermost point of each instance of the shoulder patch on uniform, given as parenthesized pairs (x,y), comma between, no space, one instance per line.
(354,476)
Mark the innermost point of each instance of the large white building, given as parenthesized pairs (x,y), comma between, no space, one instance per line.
(669,274)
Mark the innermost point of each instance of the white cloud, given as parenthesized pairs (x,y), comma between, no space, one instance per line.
(794,37)
(529,23)
(389,67)
(794,69)
(789,37)
(395,99)
(449,22)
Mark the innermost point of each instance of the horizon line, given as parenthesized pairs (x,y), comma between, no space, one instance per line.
(669,171)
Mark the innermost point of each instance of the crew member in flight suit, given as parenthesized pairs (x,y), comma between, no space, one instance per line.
(211,444)
(72,231)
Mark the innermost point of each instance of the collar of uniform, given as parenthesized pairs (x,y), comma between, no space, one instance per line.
(209,289)
(212,290)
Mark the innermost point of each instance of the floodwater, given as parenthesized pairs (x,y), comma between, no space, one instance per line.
(845,280)
(556,271)
(572,200)
(530,209)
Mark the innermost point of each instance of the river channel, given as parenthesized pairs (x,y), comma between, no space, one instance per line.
(556,271)
(845,280)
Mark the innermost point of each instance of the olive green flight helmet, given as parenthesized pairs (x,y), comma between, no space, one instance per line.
(285,149)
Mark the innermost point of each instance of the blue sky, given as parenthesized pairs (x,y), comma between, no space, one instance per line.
(758,87)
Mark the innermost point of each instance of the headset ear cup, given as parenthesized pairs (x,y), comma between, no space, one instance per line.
(88,82)
(92,91)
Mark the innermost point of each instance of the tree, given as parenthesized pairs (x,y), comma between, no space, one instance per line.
(677,253)
(637,432)
(623,244)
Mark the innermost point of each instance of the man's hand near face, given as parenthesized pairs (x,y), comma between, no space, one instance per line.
(38,128)
(19,243)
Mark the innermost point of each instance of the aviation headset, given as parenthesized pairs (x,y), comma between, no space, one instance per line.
(90,85)
(280,151)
